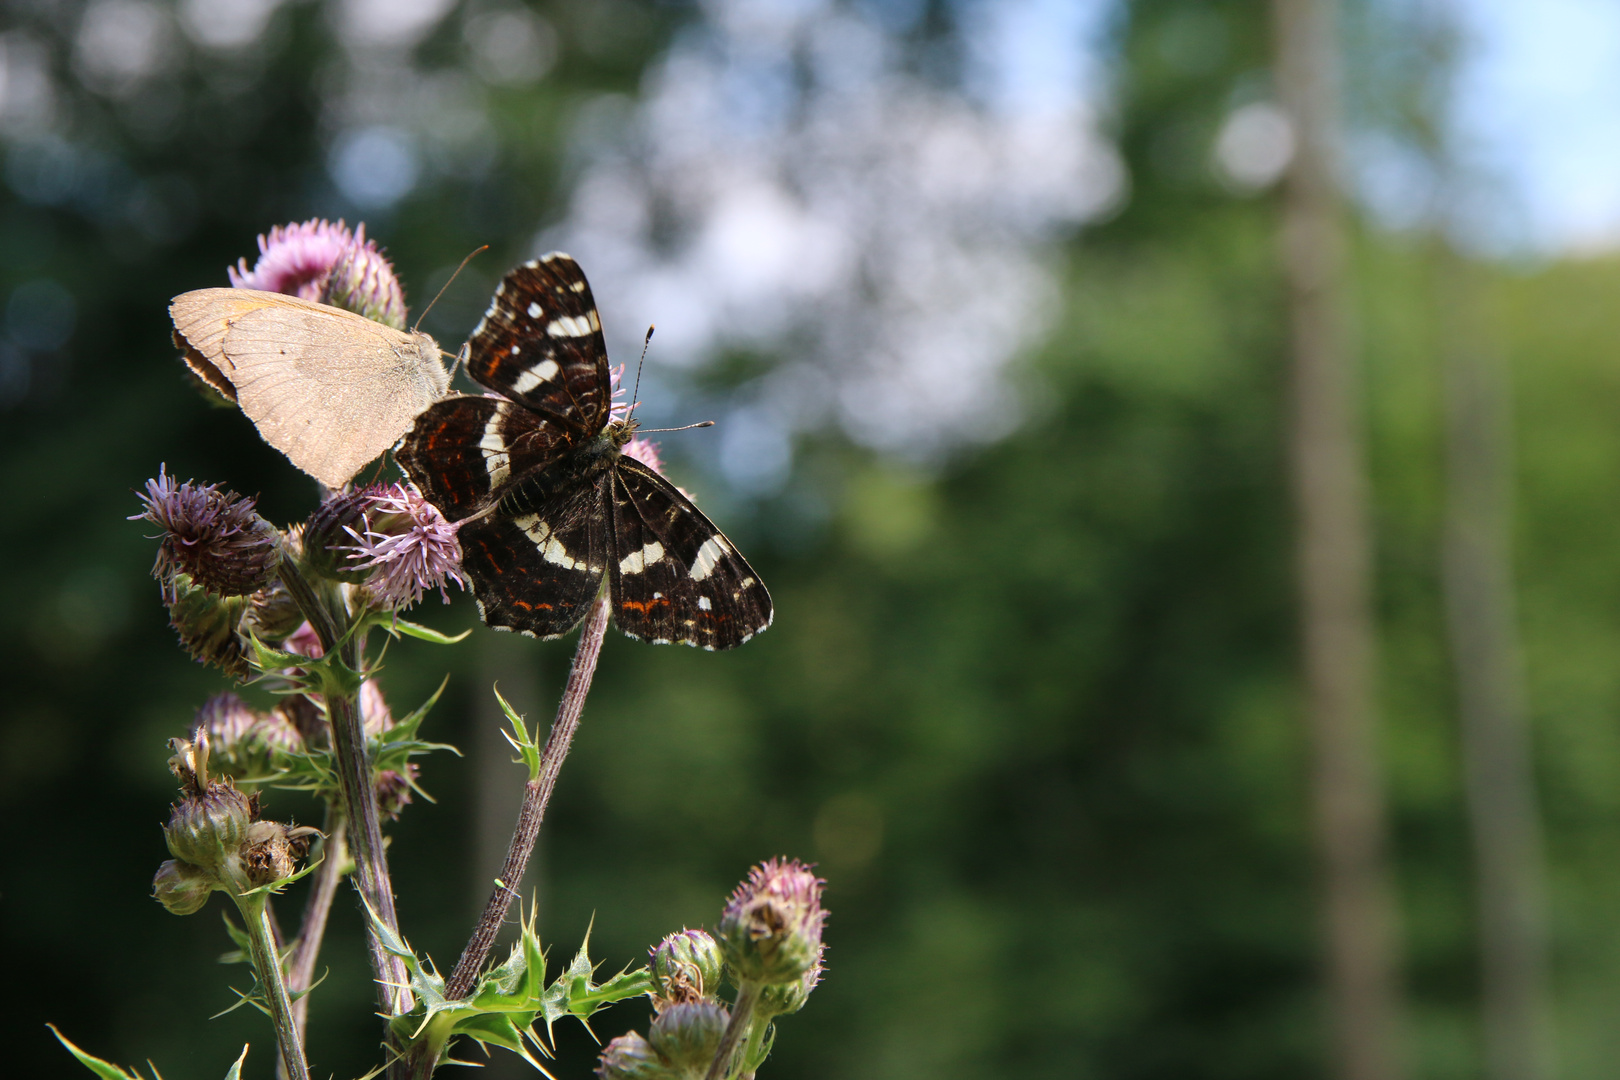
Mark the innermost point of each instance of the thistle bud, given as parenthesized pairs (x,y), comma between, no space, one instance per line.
(208,624)
(215,537)
(784,998)
(688,1035)
(630,1057)
(181,887)
(272,613)
(686,966)
(328,536)
(207,828)
(770,931)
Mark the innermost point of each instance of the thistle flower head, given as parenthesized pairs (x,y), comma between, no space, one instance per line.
(328,535)
(214,537)
(409,545)
(295,259)
(363,281)
(770,931)
(317,260)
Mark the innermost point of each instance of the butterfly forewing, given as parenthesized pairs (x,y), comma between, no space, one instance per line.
(464,452)
(536,573)
(674,576)
(540,343)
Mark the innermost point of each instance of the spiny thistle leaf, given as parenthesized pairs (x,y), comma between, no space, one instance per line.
(397,626)
(509,998)
(104,1069)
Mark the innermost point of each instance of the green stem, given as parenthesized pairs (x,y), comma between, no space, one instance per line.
(742,1014)
(267,964)
(356,787)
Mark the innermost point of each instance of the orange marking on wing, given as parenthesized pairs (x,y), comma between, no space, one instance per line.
(643,606)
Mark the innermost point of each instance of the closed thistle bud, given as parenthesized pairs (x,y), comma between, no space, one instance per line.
(215,537)
(686,966)
(328,536)
(181,887)
(272,613)
(784,998)
(630,1057)
(688,1034)
(770,931)
(208,828)
(208,624)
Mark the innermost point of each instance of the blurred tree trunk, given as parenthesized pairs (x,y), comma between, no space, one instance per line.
(1329,482)
(1481,622)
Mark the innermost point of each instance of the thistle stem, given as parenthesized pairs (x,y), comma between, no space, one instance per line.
(742,1015)
(355,785)
(267,964)
(536,794)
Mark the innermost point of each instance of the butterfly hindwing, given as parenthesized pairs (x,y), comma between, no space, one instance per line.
(537,573)
(464,451)
(540,344)
(674,577)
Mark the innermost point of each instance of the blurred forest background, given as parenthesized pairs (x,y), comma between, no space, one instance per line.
(987,300)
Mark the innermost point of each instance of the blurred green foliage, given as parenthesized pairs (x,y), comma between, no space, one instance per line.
(1035,714)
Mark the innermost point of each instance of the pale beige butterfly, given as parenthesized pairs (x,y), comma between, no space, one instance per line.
(328,388)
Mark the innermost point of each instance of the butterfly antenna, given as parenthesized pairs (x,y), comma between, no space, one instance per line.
(634,400)
(688,427)
(475,252)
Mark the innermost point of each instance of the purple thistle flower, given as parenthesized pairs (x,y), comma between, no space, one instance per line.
(216,537)
(770,930)
(410,545)
(317,260)
(295,259)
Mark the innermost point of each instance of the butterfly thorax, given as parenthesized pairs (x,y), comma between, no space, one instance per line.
(582,464)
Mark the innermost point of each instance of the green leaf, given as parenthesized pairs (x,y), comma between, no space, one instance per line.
(105,1069)
(397,626)
(235,1071)
(521,740)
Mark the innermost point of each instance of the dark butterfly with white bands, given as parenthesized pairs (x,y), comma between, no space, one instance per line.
(555,505)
